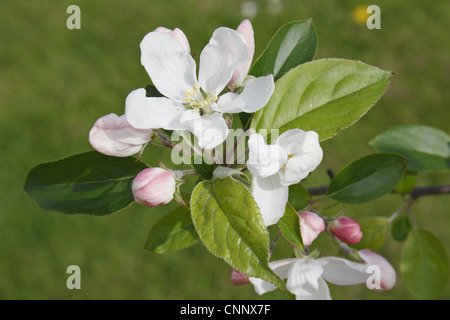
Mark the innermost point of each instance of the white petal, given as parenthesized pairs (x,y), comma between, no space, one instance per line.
(271,197)
(261,286)
(178,35)
(170,67)
(226,49)
(303,276)
(114,136)
(256,94)
(292,140)
(280,267)
(322,293)
(343,272)
(304,162)
(264,160)
(210,130)
(144,112)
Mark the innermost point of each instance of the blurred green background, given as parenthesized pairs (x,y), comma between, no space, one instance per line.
(55,82)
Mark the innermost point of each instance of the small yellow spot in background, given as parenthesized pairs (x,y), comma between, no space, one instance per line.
(360,14)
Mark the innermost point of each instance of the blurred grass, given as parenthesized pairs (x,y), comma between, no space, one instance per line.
(55,82)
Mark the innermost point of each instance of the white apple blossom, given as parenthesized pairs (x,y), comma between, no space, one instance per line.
(307,278)
(188,103)
(114,136)
(275,167)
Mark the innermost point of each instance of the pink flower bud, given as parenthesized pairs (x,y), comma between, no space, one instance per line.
(114,136)
(153,187)
(311,225)
(346,230)
(239,278)
(245,29)
(387,272)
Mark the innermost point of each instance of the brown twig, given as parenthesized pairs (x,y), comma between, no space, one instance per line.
(418,192)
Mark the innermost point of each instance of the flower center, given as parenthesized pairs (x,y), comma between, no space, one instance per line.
(200,101)
(289,156)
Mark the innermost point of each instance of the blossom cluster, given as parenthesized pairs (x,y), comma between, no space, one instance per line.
(203,105)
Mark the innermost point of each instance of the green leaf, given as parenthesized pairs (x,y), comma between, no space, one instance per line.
(89,183)
(299,197)
(401,227)
(204,170)
(173,232)
(406,183)
(230,225)
(246,120)
(375,230)
(293,44)
(427,148)
(289,226)
(325,95)
(367,178)
(424,265)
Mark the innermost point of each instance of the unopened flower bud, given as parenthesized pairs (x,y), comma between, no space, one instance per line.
(239,278)
(154,187)
(346,230)
(311,225)
(114,136)
(387,273)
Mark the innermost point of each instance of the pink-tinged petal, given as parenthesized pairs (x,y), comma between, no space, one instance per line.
(304,162)
(114,136)
(264,160)
(388,275)
(178,35)
(343,272)
(144,112)
(311,225)
(256,94)
(346,230)
(170,67)
(245,29)
(303,278)
(271,198)
(210,129)
(226,50)
(153,187)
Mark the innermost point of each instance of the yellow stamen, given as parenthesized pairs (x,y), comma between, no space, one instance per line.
(289,156)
